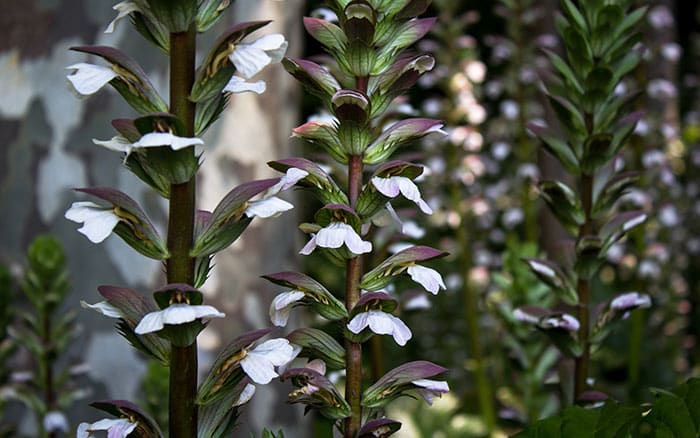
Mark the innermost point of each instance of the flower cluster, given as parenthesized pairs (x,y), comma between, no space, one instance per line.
(359,85)
(162,147)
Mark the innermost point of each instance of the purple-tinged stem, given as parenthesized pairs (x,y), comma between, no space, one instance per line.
(353,350)
(180,266)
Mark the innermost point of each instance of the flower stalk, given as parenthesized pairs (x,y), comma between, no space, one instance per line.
(180,266)
(353,350)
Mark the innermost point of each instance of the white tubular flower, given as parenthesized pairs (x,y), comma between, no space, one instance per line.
(251,58)
(247,393)
(429,278)
(392,186)
(428,389)
(271,206)
(239,85)
(116,143)
(119,428)
(104,308)
(381,323)
(87,79)
(282,305)
(267,207)
(334,236)
(98,222)
(123,10)
(155,139)
(260,362)
(175,314)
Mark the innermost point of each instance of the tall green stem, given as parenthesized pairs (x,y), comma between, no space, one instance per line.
(180,266)
(353,350)
(524,149)
(583,291)
(47,364)
(471,308)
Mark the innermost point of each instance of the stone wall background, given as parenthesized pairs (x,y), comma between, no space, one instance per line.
(46,149)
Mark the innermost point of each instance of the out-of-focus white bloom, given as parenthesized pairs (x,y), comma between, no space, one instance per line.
(87,78)
(662,89)
(55,421)
(98,222)
(630,300)
(175,314)
(660,17)
(509,109)
(475,71)
(381,323)
(564,321)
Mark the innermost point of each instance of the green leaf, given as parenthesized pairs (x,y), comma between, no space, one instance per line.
(574,15)
(564,70)
(557,147)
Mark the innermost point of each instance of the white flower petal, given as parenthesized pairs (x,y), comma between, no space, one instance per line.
(401,332)
(155,139)
(278,351)
(274,45)
(104,308)
(124,9)
(119,428)
(359,322)
(433,385)
(386,186)
(173,315)
(282,305)
(117,143)
(89,78)
(150,323)
(267,207)
(391,187)
(310,246)
(332,236)
(246,395)
(429,278)
(239,85)
(381,323)
(98,222)
(249,60)
(259,363)
(355,243)
(287,181)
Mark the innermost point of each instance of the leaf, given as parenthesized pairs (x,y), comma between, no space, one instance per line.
(553,276)
(328,34)
(132,83)
(318,344)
